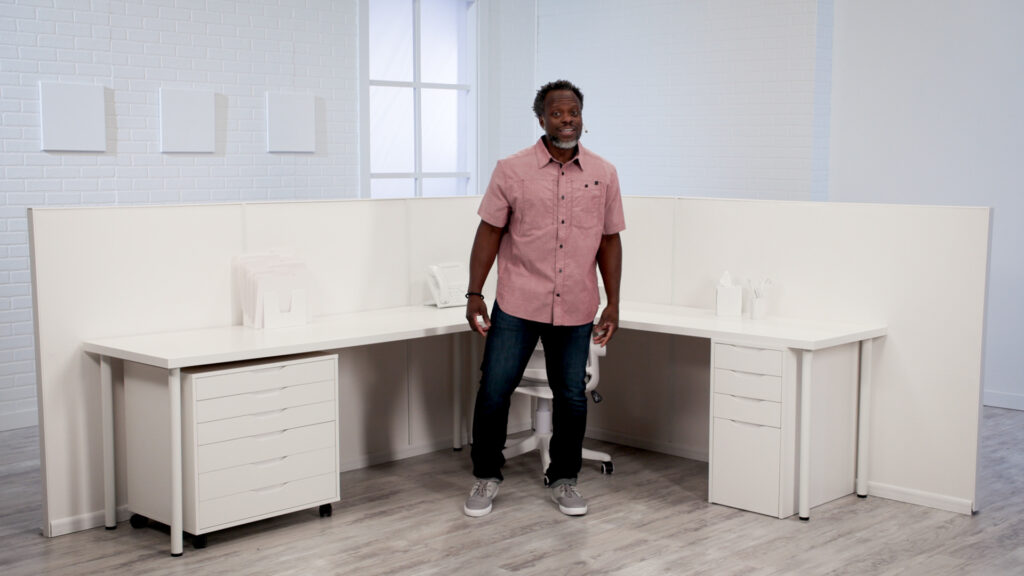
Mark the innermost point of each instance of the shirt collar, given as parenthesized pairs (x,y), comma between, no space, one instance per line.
(544,157)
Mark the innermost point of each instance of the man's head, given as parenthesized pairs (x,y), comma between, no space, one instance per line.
(559,108)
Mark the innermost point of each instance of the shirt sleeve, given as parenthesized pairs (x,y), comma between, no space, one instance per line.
(614,219)
(494,208)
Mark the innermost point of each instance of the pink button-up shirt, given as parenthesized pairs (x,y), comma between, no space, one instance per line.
(555,214)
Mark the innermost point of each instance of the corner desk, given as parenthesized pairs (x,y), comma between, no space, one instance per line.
(174,351)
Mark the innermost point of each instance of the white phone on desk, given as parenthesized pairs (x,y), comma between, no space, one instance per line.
(448,284)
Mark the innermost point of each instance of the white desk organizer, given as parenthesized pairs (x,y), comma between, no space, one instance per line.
(273,290)
(728,297)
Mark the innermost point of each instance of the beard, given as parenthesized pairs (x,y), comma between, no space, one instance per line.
(565,144)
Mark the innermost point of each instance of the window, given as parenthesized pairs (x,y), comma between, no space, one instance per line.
(418,115)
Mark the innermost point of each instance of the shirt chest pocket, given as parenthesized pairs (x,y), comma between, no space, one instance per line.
(534,208)
(588,205)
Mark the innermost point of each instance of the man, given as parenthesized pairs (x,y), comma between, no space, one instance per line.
(550,213)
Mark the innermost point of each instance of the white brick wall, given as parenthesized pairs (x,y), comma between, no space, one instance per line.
(239,49)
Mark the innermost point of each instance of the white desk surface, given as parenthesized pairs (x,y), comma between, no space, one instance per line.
(235,343)
(768,331)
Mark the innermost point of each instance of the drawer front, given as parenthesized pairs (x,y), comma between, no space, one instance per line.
(263,401)
(747,359)
(745,470)
(272,421)
(270,472)
(748,385)
(251,449)
(293,495)
(270,377)
(750,410)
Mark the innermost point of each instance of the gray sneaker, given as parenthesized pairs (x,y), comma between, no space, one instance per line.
(569,500)
(480,497)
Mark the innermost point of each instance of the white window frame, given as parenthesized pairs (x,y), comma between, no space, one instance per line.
(467,113)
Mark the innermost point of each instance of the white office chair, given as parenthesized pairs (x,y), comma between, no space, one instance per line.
(535,384)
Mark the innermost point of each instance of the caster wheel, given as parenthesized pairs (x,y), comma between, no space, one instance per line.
(138,521)
(199,542)
(607,467)
(326,510)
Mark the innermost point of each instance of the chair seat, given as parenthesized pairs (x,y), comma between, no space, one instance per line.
(535,389)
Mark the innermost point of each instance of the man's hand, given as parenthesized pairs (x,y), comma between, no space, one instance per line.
(476,315)
(607,325)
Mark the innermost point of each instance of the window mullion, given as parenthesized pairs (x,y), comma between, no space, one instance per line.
(417,100)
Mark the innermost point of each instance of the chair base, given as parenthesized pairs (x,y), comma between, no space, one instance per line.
(540,440)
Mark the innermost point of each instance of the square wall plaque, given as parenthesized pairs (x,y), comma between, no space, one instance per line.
(72,117)
(187,122)
(291,123)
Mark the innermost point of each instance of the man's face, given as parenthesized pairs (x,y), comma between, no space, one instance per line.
(563,119)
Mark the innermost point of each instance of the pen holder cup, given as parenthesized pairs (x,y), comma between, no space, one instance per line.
(758,306)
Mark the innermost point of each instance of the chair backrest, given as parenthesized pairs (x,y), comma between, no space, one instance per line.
(536,371)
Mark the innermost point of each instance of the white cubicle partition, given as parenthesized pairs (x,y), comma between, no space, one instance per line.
(119,271)
(127,270)
(921,270)
(103,272)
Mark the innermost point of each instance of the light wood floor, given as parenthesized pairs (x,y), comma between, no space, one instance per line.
(650,517)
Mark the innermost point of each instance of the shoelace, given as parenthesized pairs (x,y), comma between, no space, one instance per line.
(480,488)
(570,491)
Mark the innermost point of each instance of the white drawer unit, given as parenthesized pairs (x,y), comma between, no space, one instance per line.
(258,440)
(754,425)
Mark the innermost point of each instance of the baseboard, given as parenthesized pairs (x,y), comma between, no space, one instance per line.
(22,419)
(1004,400)
(87,521)
(929,499)
(96,519)
(700,454)
(367,460)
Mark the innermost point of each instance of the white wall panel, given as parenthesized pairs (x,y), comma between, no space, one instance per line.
(109,272)
(919,269)
(356,250)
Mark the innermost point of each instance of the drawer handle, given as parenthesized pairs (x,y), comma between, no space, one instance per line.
(266,370)
(270,488)
(750,375)
(268,435)
(269,413)
(266,393)
(749,400)
(269,462)
(748,424)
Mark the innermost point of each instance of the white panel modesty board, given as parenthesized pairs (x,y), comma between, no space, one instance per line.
(441,230)
(919,269)
(356,250)
(646,243)
(107,272)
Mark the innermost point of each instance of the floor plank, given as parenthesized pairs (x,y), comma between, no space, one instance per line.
(650,517)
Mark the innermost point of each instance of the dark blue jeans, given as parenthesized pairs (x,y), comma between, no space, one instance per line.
(510,342)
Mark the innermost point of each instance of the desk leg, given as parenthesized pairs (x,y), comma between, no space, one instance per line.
(109,473)
(862,418)
(174,390)
(804,502)
(474,352)
(458,362)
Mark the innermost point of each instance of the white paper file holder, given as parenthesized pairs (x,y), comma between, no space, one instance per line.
(280,313)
